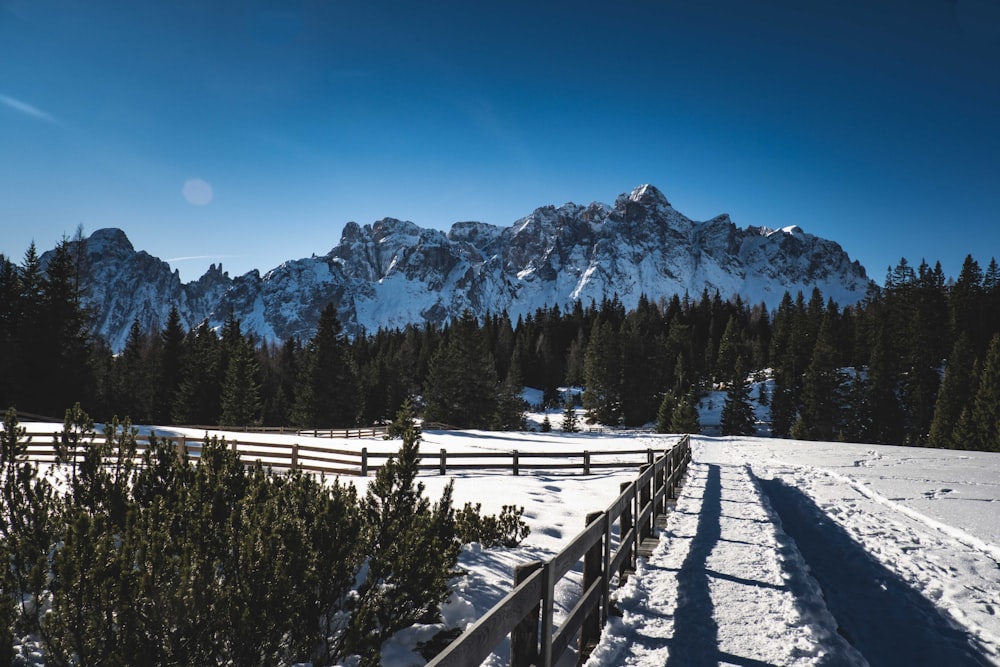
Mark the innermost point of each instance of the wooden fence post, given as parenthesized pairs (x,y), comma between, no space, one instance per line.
(644,530)
(516,470)
(586,462)
(659,491)
(181,448)
(548,598)
(295,457)
(524,636)
(590,630)
(649,457)
(606,571)
(443,466)
(625,525)
(671,467)
(364,461)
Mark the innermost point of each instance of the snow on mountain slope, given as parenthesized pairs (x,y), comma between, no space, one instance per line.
(393,272)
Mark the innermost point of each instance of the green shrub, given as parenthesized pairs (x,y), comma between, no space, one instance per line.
(506,529)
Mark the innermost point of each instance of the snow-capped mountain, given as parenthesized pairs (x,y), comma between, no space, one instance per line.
(393,272)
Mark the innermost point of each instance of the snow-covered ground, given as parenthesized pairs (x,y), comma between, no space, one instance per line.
(796,553)
(778,552)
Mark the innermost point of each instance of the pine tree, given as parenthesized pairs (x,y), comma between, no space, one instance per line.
(241,389)
(64,333)
(328,382)
(569,420)
(965,302)
(857,414)
(461,386)
(413,549)
(134,385)
(198,397)
(732,350)
(642,364)
(546,426)
(685,417)
(954,394)
(737,411)
(788,344)
(510,404)
(985,409)
(11,306)
(822,395)
(169,365)
(883,393)
(665,413)
(602,396)
(27,529)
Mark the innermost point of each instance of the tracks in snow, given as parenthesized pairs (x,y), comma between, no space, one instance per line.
(857,578)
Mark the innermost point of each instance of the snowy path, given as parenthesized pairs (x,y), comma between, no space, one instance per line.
(774,562)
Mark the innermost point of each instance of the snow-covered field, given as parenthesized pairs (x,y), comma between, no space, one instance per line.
(797,553)
(778,552)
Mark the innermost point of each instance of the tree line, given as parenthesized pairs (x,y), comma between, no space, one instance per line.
(911,363)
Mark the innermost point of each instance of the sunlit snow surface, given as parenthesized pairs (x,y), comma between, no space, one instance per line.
(778,552)
(794,553)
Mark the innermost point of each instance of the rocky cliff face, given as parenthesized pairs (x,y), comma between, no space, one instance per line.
(392,272)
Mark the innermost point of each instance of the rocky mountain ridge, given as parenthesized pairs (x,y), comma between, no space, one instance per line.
(392,272)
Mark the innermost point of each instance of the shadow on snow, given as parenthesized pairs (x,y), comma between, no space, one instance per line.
(695,640)
(885,619)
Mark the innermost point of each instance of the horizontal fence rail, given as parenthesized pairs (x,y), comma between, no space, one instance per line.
(526,613)
(319,458)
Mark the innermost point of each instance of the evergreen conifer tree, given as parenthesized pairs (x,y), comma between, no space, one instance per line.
(327,390)
(822,395)
(413,549)
(169,364)
(983,432)
(461,386)
(665,413)
(241,389)
(546,426)
(737,411)
(64,333)
(602,396)
(883,393)
(27,530)
(198,396)
(570,424)
(510,404)
(11,306)
(954,394)
(685,417)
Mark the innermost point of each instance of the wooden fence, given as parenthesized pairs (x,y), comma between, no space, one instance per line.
(361,462)
(526,613)
(370,431)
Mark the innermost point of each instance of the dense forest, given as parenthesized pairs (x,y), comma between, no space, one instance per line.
(916,362)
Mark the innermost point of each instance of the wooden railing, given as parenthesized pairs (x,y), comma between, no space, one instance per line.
(361,462)
(526,613)
(370,431)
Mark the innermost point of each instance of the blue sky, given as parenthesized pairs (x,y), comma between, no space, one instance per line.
(248,133)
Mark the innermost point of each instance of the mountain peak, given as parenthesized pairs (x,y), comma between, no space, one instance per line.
(648,195)
(110,237)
